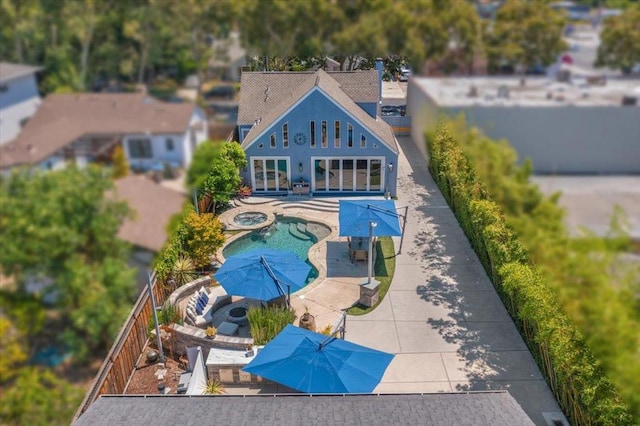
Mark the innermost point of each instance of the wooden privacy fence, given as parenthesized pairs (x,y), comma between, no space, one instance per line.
(118,366)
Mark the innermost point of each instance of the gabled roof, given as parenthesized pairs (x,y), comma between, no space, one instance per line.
(10,71)
(153,205)
(262,91)
(437,409)
(327,84)
(63,118)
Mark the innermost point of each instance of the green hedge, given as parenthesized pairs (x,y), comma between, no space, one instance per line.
(582,389)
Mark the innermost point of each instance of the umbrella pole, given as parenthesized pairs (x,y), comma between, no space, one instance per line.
(277,282)
(370,259)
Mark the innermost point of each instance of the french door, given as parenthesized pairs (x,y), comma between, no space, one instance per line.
(270,174)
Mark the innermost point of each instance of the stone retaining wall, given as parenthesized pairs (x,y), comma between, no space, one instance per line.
(186,336)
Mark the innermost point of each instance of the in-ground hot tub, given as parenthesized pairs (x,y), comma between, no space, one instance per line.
(250,218)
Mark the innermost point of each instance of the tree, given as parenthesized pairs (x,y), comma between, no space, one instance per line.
(234,153)
(12,349)
(201,163)
(201,236)
(525,33)
(620,40)
(61,226)
(223,181)
(39,397)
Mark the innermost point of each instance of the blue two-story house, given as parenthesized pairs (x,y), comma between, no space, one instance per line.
(316,131)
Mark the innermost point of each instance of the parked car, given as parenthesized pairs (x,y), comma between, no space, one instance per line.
(226,92)
(389,110)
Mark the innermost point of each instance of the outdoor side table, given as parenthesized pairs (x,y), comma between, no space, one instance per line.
(228,328)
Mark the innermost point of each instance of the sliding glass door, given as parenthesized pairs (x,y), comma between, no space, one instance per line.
(347,174)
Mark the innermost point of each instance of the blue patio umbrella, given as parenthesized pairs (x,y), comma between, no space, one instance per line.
(369,218)
(263,274)
(314,363)
(354,218)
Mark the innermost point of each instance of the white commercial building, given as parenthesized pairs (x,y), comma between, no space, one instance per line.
(579,126)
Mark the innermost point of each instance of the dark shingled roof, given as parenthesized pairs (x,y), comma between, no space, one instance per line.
(63,118)
(10,71)
(287,96)
(479,408)
(260,92)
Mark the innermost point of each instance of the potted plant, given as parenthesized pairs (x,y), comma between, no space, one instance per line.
(307,321)
(249,350)
(211,332)
(244,191)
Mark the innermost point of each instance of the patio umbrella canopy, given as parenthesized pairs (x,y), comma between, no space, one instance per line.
(314,363)
(354,218)
(263,274)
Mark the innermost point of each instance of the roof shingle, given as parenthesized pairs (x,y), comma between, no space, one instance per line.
(476,408)
(285,97)
(260,92)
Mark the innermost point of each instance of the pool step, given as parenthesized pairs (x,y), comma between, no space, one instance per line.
(320,205)
(293,230)
(303,228)
(326,205)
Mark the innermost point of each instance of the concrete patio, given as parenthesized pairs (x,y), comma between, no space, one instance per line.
(441,317)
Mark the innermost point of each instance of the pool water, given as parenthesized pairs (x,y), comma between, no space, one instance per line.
(288,234)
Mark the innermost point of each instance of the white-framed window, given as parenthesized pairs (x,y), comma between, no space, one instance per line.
(324,134)
(260,146)
(285,135)
(140,148)
(336,134)
(363,141)
(272,140)
(244,133)
(169,144)
(349,135)
(312,131)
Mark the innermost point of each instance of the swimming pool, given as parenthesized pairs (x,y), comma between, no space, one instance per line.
(286,233)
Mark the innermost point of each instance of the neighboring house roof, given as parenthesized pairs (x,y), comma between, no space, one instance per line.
(63,118)
(437,409)
(260,92)
(331,86)
(10,71)
(153,204)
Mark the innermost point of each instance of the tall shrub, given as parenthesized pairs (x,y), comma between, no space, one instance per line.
(266,323)
(576,378)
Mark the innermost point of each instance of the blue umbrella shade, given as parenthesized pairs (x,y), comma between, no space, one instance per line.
(263,274)
(354,218)
(314,363)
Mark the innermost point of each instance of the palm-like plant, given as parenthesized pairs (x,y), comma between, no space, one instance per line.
(183,271)
(214,387)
